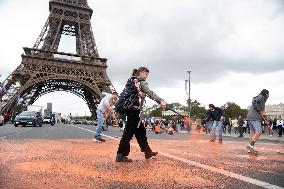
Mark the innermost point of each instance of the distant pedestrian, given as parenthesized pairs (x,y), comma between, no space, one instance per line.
(235,125)
(230,125)
(255,118)
(216,115)
(248,127)
(245,126)
(274,125)
(279,126)
(241,123)
(225,124)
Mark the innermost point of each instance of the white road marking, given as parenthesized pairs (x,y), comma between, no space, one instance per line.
(207,167)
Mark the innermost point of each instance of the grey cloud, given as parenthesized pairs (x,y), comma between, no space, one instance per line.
(167,36)
(170,37)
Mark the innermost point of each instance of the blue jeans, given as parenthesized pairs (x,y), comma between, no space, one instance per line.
(217,125)
(209,124)
(100,117)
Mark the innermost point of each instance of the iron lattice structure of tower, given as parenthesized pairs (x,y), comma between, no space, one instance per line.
(43,69)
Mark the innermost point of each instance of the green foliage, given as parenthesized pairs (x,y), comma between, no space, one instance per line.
(156,113)
(232,110)
(197,111)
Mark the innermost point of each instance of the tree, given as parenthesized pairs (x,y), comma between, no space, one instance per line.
(197,111)
(156,111)
(232,110)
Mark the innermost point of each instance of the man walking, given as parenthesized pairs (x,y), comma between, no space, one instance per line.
(104,108)
(255,117)
(216,115)
(230,125)
(241,124)
(279,126)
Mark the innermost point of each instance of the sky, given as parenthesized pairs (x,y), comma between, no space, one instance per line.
(234,49)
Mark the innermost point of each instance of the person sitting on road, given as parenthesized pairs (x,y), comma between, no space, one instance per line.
(157,127)
(170,130)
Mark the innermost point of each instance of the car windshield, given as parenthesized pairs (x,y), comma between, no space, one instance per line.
(27,114)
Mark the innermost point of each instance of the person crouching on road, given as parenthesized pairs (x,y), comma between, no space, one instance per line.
(104,108)
(216,115)
(132,127)
(255,117)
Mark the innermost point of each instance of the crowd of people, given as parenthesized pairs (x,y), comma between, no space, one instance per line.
(160,126)
(240,126)
(8,118)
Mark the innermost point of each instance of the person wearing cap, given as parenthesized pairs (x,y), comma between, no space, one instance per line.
(255,117)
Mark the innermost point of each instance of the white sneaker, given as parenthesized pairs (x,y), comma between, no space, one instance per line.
(250,147)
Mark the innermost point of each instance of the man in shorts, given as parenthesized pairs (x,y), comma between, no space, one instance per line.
(255,118)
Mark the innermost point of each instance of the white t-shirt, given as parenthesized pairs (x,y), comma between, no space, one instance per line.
(279,122)
(105,102)
(235,123)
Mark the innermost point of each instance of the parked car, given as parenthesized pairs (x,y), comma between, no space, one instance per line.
(90,122)
(28,118)
(1,120)
(46,119)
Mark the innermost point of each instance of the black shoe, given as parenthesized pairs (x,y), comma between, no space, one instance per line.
(220,141)
(121,158)
(100,139)
(212,140)
(241,136)
(150,154)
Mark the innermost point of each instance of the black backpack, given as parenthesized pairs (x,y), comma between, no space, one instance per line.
(128,97)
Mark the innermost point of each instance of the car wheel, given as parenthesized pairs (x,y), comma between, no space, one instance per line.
(15,125)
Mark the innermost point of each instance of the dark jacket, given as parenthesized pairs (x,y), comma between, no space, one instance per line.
(241,122)
(214,115)
(133,95)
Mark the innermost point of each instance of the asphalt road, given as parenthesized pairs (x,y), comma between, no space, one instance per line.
(65,156)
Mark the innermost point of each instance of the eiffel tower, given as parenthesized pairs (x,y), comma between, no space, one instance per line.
(43,69)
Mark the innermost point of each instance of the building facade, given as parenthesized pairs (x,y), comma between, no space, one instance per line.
(275,111)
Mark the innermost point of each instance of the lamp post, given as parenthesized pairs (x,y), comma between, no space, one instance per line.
(189,100)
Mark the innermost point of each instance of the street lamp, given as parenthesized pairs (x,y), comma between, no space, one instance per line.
(189,100)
